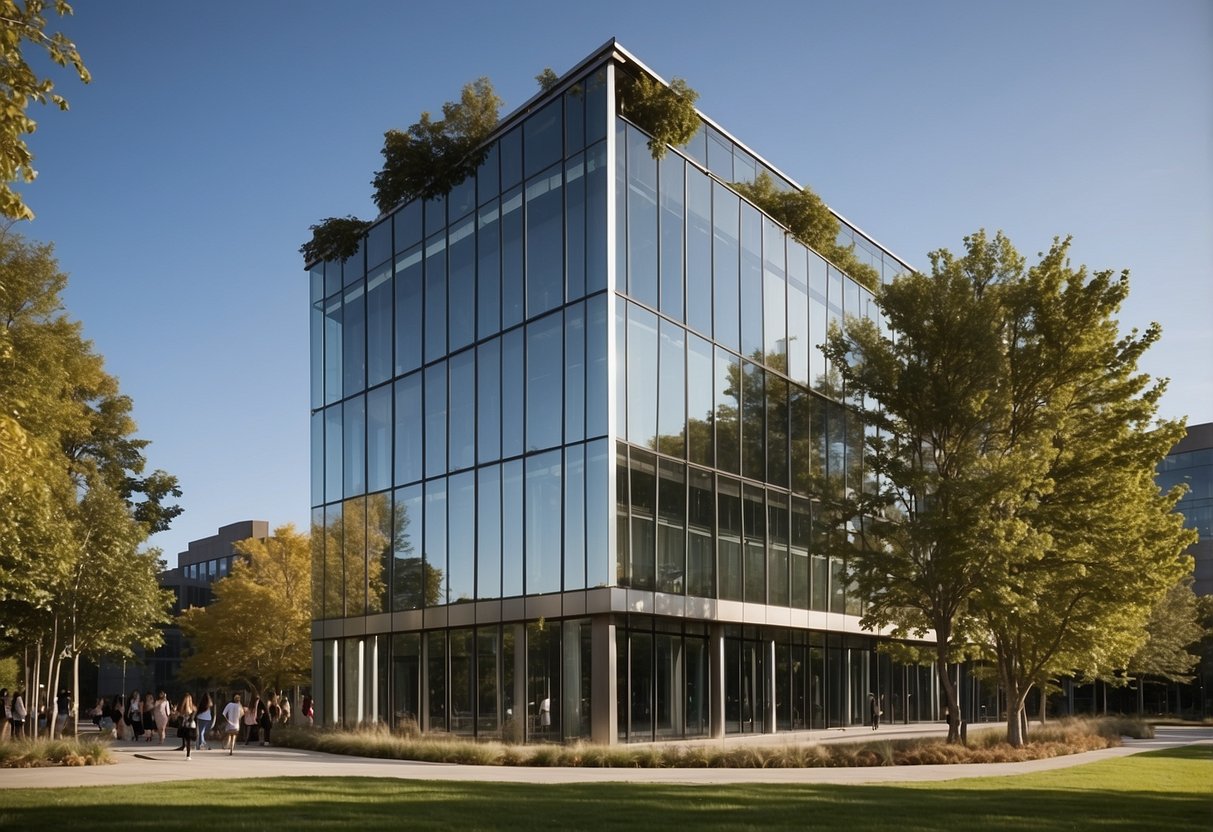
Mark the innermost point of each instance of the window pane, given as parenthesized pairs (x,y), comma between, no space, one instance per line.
(379,438)
(316,336)
(461,314)
(511,259)
(409,584)
(409,417)
(595,107)
(575,228)
(699,251)
(462,681)
(671,409)
(753,418)
(353,346)
(511,528)
(574,517)
(407,222)
(353,539)
(513,385)
(699,401)
(462,440)
(333,481)
(461,199)
(798,313)
(488,270)
(725,266)
(511,158)
(543,137)
(595,218)
(378,551)
(754,519)
(379,244)
(317,552)
(334,564)
(729,542)
(642,219)
(435,419)
(777,430)
(332,350)
(488,544)
(488,401)
(671,527)
(435,297)
(461,537)
(408,311)
(488,176)
(643,504)
(436,676)
(701,553)
(673,220)
(598,511)
(642,377)
(728,411)
(317,457)
(751,282)
(435,214)
(596,366)
(817,321)
(435,536)
(574,118)
(379,325)
(544,242)
(801,530)
(543,532)
(774,296)
(574,373)
(778,532)
(545,371)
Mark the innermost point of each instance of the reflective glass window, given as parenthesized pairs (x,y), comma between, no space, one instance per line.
(574,117)
(725,266)
(774,296)
(317,457)
(379,244)
(838,586)
(671,527)
(544,382)
(778,532)
(511,158)
(642,219)
(622,535)
(461,537)
(435,536)
(353,539)
(435,653)
(643,505)
(488,176)
(317,553)
(435,214)
(332,277)
(462,681)
(598,512)
(574,227)
(316,333)
(817,321)
(511,259)
(777,430)
(461,312)
(407,225)
(544,242)
(745,167)
(697,147)
(699,401)
(595,218)
(720,154)
(621,368)
(728,411)
(435,297)
(728,516)
(751,282)
(332,454)
(379,312)
(543,532)
(332,350)
(543,134)
(801,530)
(820,443)
(488,682)
(754,521)
(379,438)
(461,440)
(513,387)
(462,198)
(595,107)
(334,564)
(701,522)
(574,517)
(408,310)
(488,543)
(836,450)
(488,401)
(354,269)
(671,406)
(642,376)
(699,251)
(511,528)
(409,580)
(673,221)
(488,270)
(574,373)
(798,313)
(596,366)
(435,419)
(378,552)
(753,422)
(409,420)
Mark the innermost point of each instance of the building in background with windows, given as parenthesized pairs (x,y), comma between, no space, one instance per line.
(1191,463)
(569,423)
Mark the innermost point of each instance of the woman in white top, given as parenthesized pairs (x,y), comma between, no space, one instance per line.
(204,720)
(160,714)
(232,714)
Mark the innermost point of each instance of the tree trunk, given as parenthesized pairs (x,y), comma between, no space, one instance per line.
(949,689)
(34,695)
(76,692)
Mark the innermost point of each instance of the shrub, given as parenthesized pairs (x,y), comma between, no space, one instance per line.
(62,752)
(334,238)
(665,113)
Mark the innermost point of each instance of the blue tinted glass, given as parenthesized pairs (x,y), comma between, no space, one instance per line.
(596,366)
(574,118)
(642,219)
(332,453)
(488,543)
(379,438)
(595,107)
(407,222)
(435,419)
(574,517)
(435,297)
(462,199)
(574,224)
(435,215)
(354,455)
(725,266)
(379,325)
(317,458)
(461,537)
(462,393)
(753,422)
(316,341)
(699,401)
(511,158)
(511,259)
(409,419)
(513,385)
(642,377)
(354,555)
(728,411)
(353,340)
(461,261)
(777,430)
(720,154)
(817,320)
(379,244)
(697,147)
(673,220)
(621,368)
(511,528)
(671,405)
(544,242)
(798,312)
(595,218)
(408,310)
(598,513)
(407,580)
(751,282)
(699,251)
(488,270)
(774,296)
(488,177)
(488,401)
(332,277)
(543,539)
(354,269)
(574,373)
(543,137)
(435,538)
(544,383)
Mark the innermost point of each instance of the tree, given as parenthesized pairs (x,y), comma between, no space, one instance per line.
(258,630)
(23,24)
(1173,636)
(1010,421)
(547,79)
(667,113)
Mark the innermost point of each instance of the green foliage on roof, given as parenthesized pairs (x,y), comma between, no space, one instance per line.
(667,114)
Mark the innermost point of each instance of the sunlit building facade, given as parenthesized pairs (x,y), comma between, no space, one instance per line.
(568,428)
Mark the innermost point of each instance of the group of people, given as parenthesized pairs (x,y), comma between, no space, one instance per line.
(13,713)
(148,719)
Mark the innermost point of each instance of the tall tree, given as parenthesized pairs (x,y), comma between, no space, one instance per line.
(23,25)
(258,630)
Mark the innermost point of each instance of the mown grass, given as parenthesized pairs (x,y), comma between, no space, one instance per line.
(24,753)
(1064,737)
(1169,790)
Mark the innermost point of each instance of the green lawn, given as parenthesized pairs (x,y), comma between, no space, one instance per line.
(1165,790)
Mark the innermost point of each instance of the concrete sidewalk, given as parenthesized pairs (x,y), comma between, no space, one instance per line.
(142,763)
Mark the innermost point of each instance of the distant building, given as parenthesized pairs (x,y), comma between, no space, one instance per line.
(204,562)
(1191,462)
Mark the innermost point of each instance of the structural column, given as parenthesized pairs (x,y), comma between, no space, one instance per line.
(768,711)
(604,719)
(716,679)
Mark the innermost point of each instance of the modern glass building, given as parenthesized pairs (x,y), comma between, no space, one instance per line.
(569,424)
(1191,463)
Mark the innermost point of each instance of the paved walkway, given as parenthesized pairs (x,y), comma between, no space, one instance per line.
(142,763)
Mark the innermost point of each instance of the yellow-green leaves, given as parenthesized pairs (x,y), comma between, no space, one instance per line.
(665,113)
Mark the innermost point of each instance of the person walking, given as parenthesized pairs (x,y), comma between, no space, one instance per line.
(6,712)
(189,723)
(306,709)
(232,714)
(118,717)
(19,713)
(874,708)
(286,709)
(63,710)
(252,717)
(270,713)
(134,716)
(148,712)
(161,710)
(204,718)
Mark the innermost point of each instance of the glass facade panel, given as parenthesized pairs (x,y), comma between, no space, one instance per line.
(777,430)
(462,438)
(699,251)
(511,528)
(597,367)
(435,419)
(353,337)
(728,543)
(574,517)
(671,527)
(798,313)
(728,412)
(354,454)
(333,443)
(408,310)
(353,555)
(488,175)
(643,505)
(751,282)
(544,242)
(409,419)
(642,219)
(544,382)
(379,552)
(513,385)
(435,662)
(461,260)
(671,406)
(511,259)
(543,134)
(642,377)
(701,549)
(700,410)
(754,520)
(574,373)
(413,585)
(379,438)
(435,297)
(597,514)
(488,270)
(726,249)
(574,227)
(461,537)
(332,350)
(753,419)
(543,532)
(778,534)
(774,296)
(488,543)
(488,401)
(379,324)
(435,537)
(407,226)
(673,220)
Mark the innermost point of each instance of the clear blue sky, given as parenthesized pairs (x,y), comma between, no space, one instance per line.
(181,183)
